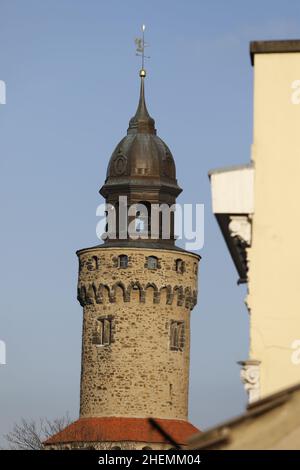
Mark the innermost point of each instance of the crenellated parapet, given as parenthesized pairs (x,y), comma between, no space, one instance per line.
(88,294)
(136,330)
(166,277)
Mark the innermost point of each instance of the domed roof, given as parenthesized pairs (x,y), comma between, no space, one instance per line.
(141,156)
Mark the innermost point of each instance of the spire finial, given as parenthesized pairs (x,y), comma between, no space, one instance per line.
(142,121)
(140,50)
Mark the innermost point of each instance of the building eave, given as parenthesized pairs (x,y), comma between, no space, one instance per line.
(233,207)
(273,47)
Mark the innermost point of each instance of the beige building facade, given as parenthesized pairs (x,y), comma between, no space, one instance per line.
(271,423)
(256,206)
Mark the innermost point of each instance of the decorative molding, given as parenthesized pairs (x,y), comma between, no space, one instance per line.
(119,164)
(88,294)
(240,226)
(250,376)
(240,231)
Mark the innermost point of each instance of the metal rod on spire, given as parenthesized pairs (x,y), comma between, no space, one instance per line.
(140,50)
(143,54)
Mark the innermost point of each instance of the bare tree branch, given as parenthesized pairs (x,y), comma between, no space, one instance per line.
(29,435)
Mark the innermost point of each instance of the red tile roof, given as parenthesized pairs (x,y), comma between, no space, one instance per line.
(114,429)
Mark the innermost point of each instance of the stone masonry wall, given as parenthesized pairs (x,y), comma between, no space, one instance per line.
(138,374)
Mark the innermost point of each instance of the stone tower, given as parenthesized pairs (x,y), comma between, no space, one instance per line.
(137,296)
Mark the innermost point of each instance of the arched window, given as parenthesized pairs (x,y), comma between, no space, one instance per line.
(146,448)
(116,448)
(123,261)
(143,218)
(152,262)
(180,267)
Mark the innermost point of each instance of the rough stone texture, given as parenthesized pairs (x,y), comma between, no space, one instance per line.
(138,374)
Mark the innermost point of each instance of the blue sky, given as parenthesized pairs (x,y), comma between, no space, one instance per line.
(72,85)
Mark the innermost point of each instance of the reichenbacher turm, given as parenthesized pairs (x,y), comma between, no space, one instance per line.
(137,296)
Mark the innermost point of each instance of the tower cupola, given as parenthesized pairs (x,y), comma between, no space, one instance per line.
(142,167)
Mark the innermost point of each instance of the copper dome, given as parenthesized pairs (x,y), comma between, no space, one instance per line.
(141,157)
(140,154)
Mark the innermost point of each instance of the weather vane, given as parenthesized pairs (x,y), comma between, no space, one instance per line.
(140,50)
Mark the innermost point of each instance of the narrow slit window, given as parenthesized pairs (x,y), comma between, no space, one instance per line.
(123,261)
(180,266)
(93,263)
(177,335)
(152,262)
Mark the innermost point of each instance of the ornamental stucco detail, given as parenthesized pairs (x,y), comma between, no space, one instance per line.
(250,377)
(240,226)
